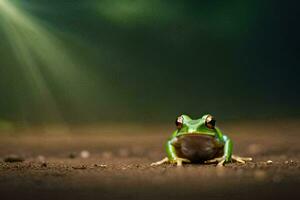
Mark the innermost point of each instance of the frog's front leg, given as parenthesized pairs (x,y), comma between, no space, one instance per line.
(227,156)
(172,156)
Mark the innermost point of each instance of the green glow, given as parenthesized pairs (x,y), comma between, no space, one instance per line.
(37,50)
(130,12)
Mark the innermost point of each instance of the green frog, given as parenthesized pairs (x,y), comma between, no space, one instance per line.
(199,141)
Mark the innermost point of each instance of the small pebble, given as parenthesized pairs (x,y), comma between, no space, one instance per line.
(84,154)
(137,165)
(269,162)
(101,165)
(44,164)
(286,162)
(73,155)
(13,158)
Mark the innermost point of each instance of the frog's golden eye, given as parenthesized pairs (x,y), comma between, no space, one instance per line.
(179,122)
(210,122)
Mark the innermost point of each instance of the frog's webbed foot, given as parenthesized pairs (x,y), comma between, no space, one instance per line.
(220,161)
(240,159)
(177,161)
(165,160)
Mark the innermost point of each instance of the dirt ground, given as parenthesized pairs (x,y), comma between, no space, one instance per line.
(113,162)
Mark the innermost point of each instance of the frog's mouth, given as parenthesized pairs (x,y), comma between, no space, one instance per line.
(196,134)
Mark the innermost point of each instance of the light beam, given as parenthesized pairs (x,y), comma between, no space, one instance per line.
(35,46)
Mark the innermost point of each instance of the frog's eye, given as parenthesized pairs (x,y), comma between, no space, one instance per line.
(179,122)
(210,122)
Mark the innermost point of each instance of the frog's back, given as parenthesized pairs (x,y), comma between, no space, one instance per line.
(198,148)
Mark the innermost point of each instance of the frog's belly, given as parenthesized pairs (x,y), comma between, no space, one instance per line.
(198,148)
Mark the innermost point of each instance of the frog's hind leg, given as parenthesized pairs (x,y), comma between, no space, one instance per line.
(165,160)
(240,159)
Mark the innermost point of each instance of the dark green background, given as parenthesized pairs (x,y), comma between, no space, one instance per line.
(234,59)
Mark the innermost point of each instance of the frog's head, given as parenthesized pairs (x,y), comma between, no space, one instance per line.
(203,126)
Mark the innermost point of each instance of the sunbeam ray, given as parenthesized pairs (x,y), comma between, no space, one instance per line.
(37,49)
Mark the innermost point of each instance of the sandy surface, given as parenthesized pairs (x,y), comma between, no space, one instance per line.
(118,166)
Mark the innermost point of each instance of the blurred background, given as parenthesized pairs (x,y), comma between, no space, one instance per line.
(147,61)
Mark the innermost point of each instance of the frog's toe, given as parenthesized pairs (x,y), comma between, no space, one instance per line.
(241,159)
(179,161)
(211,161)
(165,160)
(220,161)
